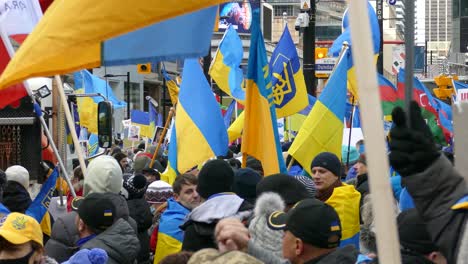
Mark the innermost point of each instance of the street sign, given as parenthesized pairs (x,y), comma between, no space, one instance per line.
(305,4)
(325,65)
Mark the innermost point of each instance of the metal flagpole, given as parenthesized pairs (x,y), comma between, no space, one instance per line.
(39,114)
(409,57)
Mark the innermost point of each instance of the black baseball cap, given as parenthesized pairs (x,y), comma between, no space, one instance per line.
(313,221)
(97,211)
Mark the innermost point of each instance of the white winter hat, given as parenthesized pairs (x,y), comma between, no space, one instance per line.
(103,175)
(18,174)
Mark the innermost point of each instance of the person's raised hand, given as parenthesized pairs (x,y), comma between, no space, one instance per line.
(411,143)
(231,234)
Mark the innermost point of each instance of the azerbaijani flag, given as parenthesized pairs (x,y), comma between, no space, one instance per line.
(426,101)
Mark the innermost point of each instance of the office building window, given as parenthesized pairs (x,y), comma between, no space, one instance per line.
(464,8)
(288,9)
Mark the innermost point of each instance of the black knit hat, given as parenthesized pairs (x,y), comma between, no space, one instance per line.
(135,185)
(97,211)
(216,176)
(245,183)
(290,189)
(328,161)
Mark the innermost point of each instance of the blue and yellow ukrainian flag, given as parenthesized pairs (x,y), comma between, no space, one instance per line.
(323,128)
(141,119)
(225,68)
(289,88)
(170,236)
(199,132)
(260,136)
(93,145)
(153,119)
(346,36)
(172,87)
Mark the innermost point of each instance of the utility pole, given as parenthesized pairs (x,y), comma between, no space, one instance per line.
(308,42)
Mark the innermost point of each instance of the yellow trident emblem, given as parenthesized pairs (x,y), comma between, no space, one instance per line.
(282,87)
(19,223)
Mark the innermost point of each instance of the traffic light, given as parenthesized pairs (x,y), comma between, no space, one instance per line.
(445,88)
(320,53)
(144,68)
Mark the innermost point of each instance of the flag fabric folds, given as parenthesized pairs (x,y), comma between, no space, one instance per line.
(40,205)
(427,102)
(18,18)
(85,82)
(289,88)
(388,96)
(323,128)
(141,119)
(15,92)
(228,113)
(225,67)
(93,145)
(93,84)
(153,119)
(199,132)
(170,236)
(172,86)
(65,43)
(445,119)
(260,137)
(346,36)
(164,41)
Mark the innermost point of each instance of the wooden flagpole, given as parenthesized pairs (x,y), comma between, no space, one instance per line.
(163,135)
(372,124)
(71,124)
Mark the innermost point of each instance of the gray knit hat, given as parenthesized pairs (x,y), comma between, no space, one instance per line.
(260,233)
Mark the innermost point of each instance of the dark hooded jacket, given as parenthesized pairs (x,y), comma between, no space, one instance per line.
(15,197)
(140,211)
(199,229)
(119,241)
(435,191)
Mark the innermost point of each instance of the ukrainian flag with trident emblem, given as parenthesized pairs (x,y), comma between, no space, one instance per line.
(260,138)
(289,88)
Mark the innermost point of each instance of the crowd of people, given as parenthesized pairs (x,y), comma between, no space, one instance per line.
(224,212)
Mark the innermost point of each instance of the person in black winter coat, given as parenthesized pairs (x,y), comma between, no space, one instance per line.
(215,184)
(439,191)
(139,209)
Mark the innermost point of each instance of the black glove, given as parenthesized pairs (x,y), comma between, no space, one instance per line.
(412,149)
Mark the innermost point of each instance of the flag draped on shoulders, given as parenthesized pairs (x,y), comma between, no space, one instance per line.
(170,236)
(346,37)
(225,67)
(199,132)
(260,137)
(323,128)
(289,88)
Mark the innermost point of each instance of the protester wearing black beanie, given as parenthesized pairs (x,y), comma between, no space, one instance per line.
(216,176)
